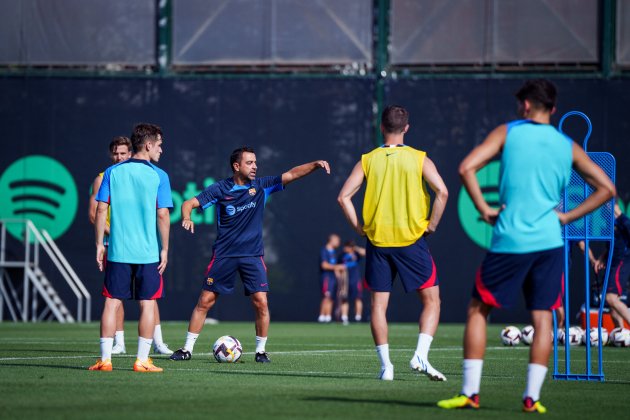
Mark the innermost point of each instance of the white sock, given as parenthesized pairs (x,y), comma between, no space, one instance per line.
(344,318)
(357,318)
(327,318)
(157,335)
(383,355)
(106,347)
(119,338)
(144,347)
(321,318)
(535,377)
(191,338)
(424,343)
(472,376)
(260,344)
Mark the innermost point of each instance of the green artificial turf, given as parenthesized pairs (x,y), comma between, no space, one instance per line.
(318,371)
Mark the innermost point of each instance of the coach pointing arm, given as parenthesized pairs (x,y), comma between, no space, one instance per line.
(303,170)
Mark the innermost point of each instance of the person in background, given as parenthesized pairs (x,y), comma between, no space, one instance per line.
(330,271)
(351,257)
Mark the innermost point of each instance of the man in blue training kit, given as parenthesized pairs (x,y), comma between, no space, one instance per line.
(239,202)
(619,269)
(140,197)
(352,254)
(526,252)
(330,271)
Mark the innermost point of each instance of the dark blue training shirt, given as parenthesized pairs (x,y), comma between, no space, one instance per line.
(240,211)
(621,250)
(328,255)
(351,261)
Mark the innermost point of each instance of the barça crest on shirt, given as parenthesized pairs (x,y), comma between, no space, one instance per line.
(252,191)
(210,281)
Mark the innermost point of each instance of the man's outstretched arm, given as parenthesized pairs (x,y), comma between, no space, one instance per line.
(303,170)
(349,189)
(433,178)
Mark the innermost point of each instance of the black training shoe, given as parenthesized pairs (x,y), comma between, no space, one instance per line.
(262,358)
(181,354)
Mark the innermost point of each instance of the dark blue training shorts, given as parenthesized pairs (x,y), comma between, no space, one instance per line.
(133,281)
(412,263)
(618,278)
(328,284)
(539,275)
(220,275)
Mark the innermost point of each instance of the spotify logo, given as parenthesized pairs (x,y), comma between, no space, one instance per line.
(41,189)
(479,231)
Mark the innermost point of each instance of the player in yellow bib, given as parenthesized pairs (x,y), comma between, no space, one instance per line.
(396,221)
(120,150)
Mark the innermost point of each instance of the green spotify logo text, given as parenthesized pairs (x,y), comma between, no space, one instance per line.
(41,189)
(479,231)
(191,190)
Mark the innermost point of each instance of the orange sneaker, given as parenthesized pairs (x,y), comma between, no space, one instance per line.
(104,365)
(147,366)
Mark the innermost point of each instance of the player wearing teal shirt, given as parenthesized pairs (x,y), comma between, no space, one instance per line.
(526,251)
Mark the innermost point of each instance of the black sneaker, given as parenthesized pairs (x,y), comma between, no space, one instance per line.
(181,354)
(262,358)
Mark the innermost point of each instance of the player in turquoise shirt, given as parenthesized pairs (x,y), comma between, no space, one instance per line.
(526,255)
(140,197)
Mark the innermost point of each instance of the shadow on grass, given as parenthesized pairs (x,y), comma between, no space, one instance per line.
(30,365)
(286,374)
(419,404)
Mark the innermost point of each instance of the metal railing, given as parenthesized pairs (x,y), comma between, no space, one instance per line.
(35,282)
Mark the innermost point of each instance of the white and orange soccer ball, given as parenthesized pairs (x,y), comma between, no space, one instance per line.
(227,349)
(510,336)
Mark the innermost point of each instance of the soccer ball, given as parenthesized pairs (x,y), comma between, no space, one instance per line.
(510,336)
(620,337)
(594,337)
(575,336)
(527,335)
(560,334)
(227,349)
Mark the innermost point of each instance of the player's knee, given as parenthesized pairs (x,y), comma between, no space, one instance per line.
(611,298)
(205,302)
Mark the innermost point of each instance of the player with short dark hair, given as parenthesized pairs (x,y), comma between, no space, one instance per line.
(120,150)
(239,202)
(139,196)
(396,220)
(526,253)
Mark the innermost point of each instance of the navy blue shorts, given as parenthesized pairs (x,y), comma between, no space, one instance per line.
(133,281)
(355,287)
(619,275)
(328,284)
(539,275)
(412,263)
(221,272)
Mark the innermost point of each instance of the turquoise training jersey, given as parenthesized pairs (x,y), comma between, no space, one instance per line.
(134,189)
(535,168)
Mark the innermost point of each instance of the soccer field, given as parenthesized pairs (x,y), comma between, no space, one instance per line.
(318,371)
